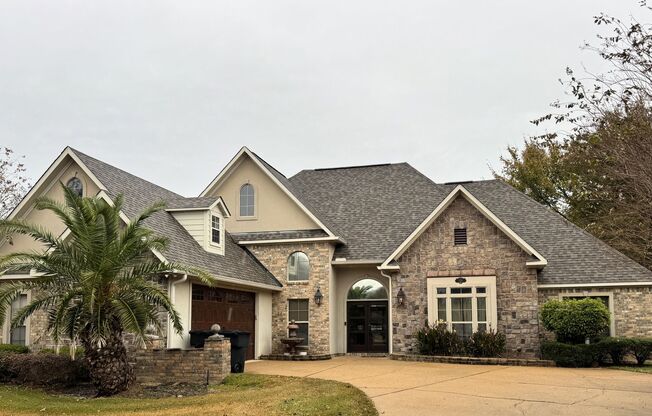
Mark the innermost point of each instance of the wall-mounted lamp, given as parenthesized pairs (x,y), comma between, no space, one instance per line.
(318,296)
(400,296)
(460,280)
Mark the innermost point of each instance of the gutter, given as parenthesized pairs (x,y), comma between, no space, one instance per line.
(589,285)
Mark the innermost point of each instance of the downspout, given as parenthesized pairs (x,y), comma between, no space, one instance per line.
(173,294)
(390,299)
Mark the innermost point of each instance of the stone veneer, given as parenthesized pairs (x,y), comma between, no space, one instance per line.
(208,365)
(39,337)
(488,252)
(275,258)
(632,307)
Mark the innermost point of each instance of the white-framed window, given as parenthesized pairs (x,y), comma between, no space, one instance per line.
(18,335)
(606,297)
(298,267)
(216,230)
(466,304)
(298,311)
(247,200)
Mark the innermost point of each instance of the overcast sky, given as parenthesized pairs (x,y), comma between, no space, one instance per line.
(170,90)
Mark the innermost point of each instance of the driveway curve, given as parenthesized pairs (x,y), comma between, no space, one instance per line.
(412,388)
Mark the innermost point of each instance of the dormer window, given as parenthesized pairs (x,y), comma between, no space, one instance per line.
(247,200)
(215,230)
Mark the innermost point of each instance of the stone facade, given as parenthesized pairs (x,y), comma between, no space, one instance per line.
(275,258)
(489,251)
(39,337)
(208,365)
(632,307)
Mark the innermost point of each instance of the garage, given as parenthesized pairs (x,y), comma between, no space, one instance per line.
(232,309)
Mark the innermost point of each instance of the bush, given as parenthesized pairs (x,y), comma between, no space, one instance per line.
(486,344)
(571,355)
(575,320)
(438,340)
(41,369)
(64,351)
(11,348)
(616,348)
(641,348)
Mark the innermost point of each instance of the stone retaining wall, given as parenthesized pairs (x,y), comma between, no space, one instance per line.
(472,360)
(208,365)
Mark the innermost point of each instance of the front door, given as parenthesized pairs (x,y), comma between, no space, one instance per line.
(367,326)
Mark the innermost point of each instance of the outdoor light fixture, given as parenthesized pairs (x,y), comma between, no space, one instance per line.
(318,296)
(400,296)
(460,280)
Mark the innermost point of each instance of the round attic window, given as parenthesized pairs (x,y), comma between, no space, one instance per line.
(75,184)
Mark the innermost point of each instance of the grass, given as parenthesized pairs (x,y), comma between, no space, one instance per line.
(647,368)
(241,394)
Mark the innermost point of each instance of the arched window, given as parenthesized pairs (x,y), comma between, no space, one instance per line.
(75,184)
(298,267)
(367,289)
(247,200)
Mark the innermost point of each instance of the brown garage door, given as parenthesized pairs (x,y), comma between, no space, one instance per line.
(232,309)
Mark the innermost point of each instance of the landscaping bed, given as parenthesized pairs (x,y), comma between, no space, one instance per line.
(240,394)
(285,357)
(472,360)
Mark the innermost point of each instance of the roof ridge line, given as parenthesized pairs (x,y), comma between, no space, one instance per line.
(124,171)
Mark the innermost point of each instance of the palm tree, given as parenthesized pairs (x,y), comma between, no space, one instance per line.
(95,284)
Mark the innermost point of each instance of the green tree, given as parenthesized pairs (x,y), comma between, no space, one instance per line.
(94,285)
(595,170)
(575,320)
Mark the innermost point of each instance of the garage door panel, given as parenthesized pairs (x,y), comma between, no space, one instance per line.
(231,309)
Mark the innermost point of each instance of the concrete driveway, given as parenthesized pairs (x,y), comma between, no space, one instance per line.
(407,388)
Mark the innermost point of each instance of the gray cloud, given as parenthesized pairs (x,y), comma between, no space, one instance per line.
(171,90)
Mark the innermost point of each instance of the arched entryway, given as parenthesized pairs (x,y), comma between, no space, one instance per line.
(367,322)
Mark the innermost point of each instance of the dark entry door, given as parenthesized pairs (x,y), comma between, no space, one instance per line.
(232,309)
(367,326)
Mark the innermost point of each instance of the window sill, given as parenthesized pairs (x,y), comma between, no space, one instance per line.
(298,282)
(254,218)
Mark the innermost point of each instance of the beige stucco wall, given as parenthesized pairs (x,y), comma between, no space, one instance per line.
(47,219)
(36,324)
(275,211)
(180,295)
(263,323)
(344,278)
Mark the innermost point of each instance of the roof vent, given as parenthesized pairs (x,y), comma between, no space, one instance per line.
(459,236)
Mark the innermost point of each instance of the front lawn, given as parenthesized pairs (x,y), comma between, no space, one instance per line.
(647,368)
(242,394)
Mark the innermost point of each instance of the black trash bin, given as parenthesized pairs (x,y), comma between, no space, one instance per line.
(239,345)
(198,337)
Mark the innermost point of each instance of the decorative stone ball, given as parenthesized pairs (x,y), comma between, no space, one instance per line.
(216,328)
